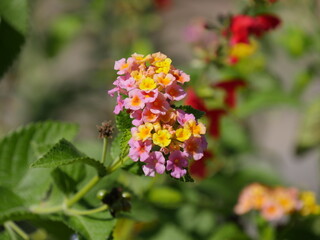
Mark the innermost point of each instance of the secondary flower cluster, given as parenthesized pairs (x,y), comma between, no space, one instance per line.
(276,203)
(163,138)
(242,27)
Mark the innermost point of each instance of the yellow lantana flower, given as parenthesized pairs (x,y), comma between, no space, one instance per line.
(147,84)
(144,132)
(196,129)
(183,134)
(163,66)
(162,138)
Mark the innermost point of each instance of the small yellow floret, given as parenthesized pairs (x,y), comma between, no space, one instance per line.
(136,75)
(195,128)
(147,84)
(162,138)
(163,66)
(183,134)
(144,132)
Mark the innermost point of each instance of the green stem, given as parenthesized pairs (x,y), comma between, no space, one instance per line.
(116,165)
(46,210)
(104,151)
(82,192)
(17,229)
(10,232)
(87,212)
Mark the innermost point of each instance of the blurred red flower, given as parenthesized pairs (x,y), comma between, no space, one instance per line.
(230,87)
(199,168)
(242,26)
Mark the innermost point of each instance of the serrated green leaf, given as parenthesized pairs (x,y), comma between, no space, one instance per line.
(13,28)
(124,146)
(133,167)
(123,121)
(188,109)
(115,147)
(16,155)
(93,227)
(65,153)
(68,177)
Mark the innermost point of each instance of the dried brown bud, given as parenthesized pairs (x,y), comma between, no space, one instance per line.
(106,129)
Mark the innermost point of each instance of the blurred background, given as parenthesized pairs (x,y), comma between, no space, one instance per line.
(272,135)
(66,66)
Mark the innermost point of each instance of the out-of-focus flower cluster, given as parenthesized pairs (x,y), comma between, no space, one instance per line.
(163,138)
(242,28)
(234,40)
(276,203)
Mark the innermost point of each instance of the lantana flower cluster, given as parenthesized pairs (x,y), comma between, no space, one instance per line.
(163,138)
(276,204)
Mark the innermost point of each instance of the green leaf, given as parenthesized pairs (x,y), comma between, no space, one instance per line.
(16,155)
(115,147)
(11,205)
(188,109)
(65,153)
(165,197)
(13,28)
(124,146)
(230,232)
(68,177)
(123,121)
(133,167)
(95,227)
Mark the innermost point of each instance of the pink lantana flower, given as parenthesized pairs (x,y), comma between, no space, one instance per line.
(137,118)
(195,147)
(184,117)
(160,105)
(128,84)
(139,149)
(175,92)
(123,66)
(135,100)
(148,116)
(150,96)
(154,163)
(120,104)
(177,162)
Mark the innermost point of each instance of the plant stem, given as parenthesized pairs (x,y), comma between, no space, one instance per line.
(116,165)
(104,150)
(86,212)
(44,210)
(17,229)
(10,231)
(82,192)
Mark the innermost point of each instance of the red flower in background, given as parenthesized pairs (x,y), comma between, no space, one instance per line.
(230,88)
(265,23)
(162,4)
(199,168)
(242,26)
